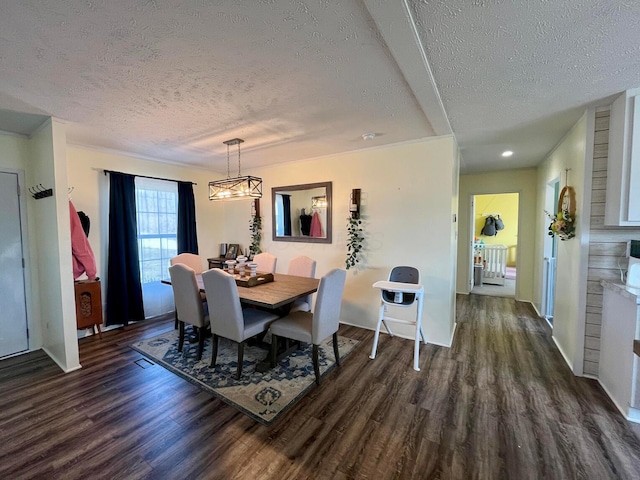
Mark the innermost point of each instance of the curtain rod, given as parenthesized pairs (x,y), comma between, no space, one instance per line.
(146,176)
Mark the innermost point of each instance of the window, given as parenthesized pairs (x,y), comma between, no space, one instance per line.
(157,219)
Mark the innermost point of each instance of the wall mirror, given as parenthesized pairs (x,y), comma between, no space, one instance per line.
(302,213)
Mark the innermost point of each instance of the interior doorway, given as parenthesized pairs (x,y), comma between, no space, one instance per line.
(494,240)
(548,286)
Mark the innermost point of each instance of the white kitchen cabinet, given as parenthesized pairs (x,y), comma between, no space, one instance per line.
(619,371)
(622,207)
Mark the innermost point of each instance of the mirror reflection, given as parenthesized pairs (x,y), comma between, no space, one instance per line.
(302,213)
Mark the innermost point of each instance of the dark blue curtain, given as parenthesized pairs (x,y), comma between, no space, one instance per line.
(286,214)
(187,235)
(124,290)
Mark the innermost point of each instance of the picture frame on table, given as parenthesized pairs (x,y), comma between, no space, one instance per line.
(232,251)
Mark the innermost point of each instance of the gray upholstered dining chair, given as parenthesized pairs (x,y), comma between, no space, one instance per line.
(302,266)
(228,319)
(266,262)
(314,327)
(192,261)
(189,306)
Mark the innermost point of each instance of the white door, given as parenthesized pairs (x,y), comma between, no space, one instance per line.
(13,312)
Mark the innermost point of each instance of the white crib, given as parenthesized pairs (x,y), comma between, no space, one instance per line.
(494,259)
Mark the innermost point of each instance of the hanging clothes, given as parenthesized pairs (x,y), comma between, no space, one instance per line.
(316,226)
(85,221)
(305,223)
(83,259)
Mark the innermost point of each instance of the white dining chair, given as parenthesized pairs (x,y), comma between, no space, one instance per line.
(302,266)
(228,318)
(189,306)
(266,262)
(402,289)
(192,260)
(314,327)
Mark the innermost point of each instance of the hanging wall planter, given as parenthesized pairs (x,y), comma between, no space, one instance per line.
(563,223)
(255,226)
(354,241)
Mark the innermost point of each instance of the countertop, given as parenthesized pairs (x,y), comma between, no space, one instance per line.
(632,294)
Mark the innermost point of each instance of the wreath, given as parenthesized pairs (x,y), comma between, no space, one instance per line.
(563,222)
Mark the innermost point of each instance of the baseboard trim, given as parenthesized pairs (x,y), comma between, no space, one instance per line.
(566,359)
(407,337)
(633,415)
(62,367)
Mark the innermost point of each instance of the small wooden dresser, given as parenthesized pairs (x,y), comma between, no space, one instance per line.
(88,305)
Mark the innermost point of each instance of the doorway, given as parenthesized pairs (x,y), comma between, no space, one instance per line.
(494,239)
(548,287)
(14,336)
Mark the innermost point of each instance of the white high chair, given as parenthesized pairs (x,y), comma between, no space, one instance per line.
(403,289)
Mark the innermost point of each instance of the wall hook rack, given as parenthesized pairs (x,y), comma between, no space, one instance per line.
(39,192)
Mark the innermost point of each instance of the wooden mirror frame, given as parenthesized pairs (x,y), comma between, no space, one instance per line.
(296,188)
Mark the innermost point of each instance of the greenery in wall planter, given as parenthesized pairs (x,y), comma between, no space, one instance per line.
(355,237)
(255,225)
(563,223)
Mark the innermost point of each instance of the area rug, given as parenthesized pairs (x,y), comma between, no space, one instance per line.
(265,397)
(510,273)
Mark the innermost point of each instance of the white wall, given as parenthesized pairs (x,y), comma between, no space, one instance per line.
(409,197)
(48,166)
(572,257)
(14,156)
(91,195)
(408,202)
(522,181)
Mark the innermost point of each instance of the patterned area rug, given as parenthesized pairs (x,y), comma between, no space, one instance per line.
(262,396)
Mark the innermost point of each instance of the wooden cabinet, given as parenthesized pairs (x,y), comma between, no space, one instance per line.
(88,305)
(216,262)
(622,207)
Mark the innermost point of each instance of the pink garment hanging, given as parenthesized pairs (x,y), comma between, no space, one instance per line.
(83,258)
(316,226)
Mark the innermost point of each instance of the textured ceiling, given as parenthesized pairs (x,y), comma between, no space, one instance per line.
(518,74)
(172,80)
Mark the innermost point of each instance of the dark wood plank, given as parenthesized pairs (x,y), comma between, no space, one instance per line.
(501,403)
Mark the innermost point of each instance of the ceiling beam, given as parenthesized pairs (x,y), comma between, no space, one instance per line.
(396,25)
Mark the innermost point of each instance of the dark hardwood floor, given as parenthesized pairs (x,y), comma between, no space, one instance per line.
(501,403)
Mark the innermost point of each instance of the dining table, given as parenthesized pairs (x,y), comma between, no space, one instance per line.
(277,295)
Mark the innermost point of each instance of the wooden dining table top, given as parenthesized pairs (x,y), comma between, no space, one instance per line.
(284,289)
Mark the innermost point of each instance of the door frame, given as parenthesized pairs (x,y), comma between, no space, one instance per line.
(472,218)
(550,244)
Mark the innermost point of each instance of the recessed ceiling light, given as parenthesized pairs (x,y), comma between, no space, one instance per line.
(507,153)
(368,136)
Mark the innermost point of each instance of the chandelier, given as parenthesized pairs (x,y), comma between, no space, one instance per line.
(237,187)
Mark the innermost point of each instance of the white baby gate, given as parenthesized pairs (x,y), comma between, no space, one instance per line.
(494,260)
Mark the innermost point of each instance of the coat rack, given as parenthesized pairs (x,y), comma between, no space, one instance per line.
(39,192)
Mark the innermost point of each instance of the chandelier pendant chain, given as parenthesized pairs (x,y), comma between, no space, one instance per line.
(228,168)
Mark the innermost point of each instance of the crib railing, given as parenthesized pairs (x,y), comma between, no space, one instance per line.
(494,259)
